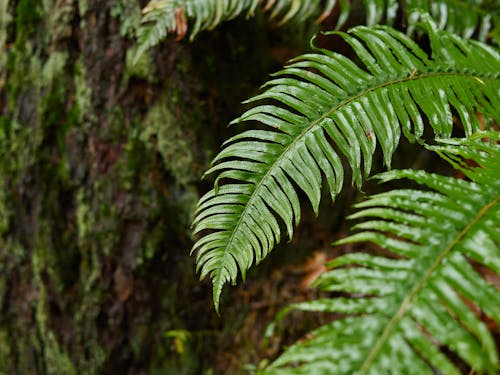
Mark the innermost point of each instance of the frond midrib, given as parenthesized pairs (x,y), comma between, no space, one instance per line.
(315,123)
(419,286)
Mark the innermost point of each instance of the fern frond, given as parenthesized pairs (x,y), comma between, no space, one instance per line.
(466,18)
(407,307)
(320,107)
(463,17)
(161,17)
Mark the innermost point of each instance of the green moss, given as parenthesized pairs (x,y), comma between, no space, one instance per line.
(83,217)
(97,219)
(33,156)
(28,14)
(116,130)
(5,351)
(5,20)
(55,359)
(58,20)
(83,94)
(96,224)
(82,8)
(18,146)
(53,71)
(96,234)
(24,128)
(24,70)
(4,216)
(162,132)
(135,159)
(53,85)
(52,112)
(142,68)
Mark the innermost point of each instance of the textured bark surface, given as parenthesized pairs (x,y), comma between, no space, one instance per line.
(100,163)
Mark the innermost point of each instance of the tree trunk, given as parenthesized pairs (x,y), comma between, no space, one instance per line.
(99,167)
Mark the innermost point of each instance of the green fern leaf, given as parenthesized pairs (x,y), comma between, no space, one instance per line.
(209,13)
(464,17)
(323,106)
(467,18)
(157,22)
(161,17)
(407,307)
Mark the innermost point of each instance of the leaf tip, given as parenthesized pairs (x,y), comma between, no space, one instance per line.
(217,292)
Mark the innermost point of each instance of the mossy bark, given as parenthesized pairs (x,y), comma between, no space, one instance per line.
(99,168)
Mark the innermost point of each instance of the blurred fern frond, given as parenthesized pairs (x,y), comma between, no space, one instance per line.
(463,17)
(161,17)
(404,309)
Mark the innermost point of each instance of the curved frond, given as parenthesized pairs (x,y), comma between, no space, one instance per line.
(321,107)
(466,18)
(463,17)
(161,17)
(407,307)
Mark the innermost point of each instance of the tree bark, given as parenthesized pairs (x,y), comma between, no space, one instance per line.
(100,163)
